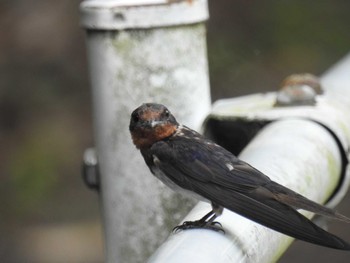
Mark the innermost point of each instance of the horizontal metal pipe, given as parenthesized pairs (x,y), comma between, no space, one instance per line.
(297,153)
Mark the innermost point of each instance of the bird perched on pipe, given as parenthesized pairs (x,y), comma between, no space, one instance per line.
(189,163)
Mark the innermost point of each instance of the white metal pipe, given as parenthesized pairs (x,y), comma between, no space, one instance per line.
(336,82)
(246,241)
(141,51)
(299,154)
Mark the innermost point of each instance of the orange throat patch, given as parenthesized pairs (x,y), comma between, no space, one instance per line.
(144,138)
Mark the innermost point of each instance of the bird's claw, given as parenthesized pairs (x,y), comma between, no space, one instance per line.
(216,226)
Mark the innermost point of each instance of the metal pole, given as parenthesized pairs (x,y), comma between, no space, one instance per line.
(141,51)
(303,148)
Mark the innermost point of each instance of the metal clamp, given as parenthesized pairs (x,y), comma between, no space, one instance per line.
(90,169)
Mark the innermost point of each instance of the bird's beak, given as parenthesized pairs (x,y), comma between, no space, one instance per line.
(155,123)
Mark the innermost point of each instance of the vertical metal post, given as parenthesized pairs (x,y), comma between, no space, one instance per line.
(141,51)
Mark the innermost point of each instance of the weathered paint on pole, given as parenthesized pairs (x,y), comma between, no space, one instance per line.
(141,51)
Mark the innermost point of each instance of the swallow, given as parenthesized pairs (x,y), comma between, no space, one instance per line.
(191,164)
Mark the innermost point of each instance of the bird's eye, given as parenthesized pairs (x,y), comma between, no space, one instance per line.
(135,117)
(166,113)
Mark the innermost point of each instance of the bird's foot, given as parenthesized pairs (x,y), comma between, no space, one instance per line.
(199,224)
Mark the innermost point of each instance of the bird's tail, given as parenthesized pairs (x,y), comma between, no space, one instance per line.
(283,218)
(298,201)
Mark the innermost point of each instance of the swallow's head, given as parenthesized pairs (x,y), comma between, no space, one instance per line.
(150,123)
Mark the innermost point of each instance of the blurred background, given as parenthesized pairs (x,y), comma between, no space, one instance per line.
(46,212)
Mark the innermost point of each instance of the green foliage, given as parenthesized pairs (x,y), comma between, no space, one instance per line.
(37,164)
(33,173)
(254,45)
